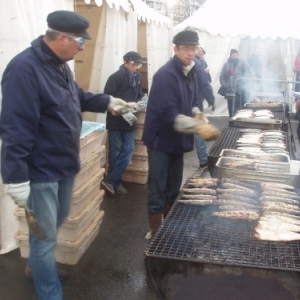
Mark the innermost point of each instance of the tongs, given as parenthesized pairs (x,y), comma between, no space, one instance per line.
(33,225)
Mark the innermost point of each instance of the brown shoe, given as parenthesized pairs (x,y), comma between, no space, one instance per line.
(62,275)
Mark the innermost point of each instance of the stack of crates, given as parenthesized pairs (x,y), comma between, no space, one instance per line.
(83,223)
(137,169)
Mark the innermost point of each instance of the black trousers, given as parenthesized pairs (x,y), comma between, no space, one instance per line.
(239,102)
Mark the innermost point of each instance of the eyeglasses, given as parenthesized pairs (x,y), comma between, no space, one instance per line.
(79,40)
(134,64)
(189,49)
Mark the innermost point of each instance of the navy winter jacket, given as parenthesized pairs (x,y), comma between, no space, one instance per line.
(172,93)
(40,123)
(118,86)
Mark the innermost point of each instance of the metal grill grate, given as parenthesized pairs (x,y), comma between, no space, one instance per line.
(228,141)
(190,233)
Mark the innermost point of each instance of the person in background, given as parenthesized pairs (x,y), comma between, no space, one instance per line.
(232,70)
(126,83)
(170,125)
(40,128)
(204,92)
(256,65)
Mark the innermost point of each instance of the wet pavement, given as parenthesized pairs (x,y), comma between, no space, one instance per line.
(113,267)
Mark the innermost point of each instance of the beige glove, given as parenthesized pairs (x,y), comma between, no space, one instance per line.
(19,192)
(208,132)
(199,115)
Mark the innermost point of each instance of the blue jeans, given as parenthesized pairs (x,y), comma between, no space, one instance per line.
(200,145)
(164,179)
(121,146)
(50,202)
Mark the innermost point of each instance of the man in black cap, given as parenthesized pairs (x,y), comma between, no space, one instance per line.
(126,83)
(232,70)
(172,119)
(40,129)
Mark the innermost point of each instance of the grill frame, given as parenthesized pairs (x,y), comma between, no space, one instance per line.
(190,233)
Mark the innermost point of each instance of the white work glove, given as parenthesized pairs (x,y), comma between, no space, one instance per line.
(130,118)
(197,114)
(115,102)
(185,124)
(19,192)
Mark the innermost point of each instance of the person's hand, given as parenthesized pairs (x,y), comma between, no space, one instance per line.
(19,192)
(206,70)
(115,103)
(199,115)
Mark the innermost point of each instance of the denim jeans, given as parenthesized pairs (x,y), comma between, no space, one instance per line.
(121,146)
(50,202)
(200,145)
(164,179)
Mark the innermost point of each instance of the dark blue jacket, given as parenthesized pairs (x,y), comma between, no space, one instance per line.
(118,86)
(171,93)
(41,120)
(205,90)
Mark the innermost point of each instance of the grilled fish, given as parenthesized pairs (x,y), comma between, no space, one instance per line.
(237,214)
(276,213)
(198,202)
(237,203)
(248,185)
(282,191)
(236,192)
(237,198)
(203,191)
(270,204)
(277,225)
(235,208)
(200,197)
(274,235)
(279,195)
(203,180)
(272,218)
(227,185)
(202,185)
(276,186)
(278,199)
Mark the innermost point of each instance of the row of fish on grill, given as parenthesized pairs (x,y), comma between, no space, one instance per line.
(266,101)
(275,206)
(263,114)
(258,141)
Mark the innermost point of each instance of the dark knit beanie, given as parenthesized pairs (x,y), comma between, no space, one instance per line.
(232,51)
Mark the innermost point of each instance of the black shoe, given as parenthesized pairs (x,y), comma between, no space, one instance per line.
(62,275)
(109,188)
(203,165)
(120,190)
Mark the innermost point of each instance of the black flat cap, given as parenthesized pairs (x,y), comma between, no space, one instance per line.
(134,56)
(186,37)
(69,21)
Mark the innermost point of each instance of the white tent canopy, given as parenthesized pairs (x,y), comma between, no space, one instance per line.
(244,25)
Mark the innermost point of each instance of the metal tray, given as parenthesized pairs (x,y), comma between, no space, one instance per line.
(271,106)
(281,173)
(267,157)
(256,123)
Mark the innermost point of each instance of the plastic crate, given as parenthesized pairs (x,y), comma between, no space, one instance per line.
(138,132)
(139,161)
(92,136)
(89,167)
(67,252)
(85,193)
(72,226)
(135,175)
(139,148)
(141,117)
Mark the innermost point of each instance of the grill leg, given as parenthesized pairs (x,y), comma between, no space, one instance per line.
(168,206)
(155,221)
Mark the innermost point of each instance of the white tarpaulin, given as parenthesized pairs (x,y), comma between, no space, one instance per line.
(244,25)
(20,23)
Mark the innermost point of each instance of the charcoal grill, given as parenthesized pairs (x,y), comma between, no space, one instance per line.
(228,141)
